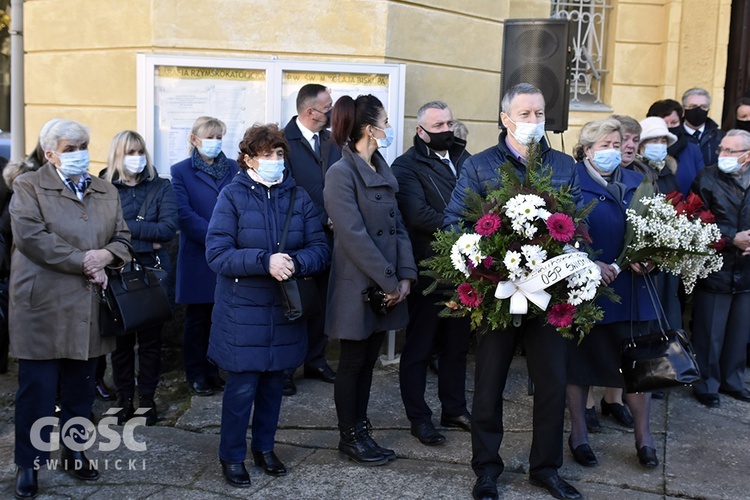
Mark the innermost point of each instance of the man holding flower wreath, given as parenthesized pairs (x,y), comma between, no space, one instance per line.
(546,350)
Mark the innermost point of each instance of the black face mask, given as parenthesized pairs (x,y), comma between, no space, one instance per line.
(440,141)
(743,125)
(328,118)
(696,116)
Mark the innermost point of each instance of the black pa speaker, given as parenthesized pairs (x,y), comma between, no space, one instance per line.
(539,51)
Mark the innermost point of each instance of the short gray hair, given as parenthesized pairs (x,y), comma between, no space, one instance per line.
(429,105)
(62,130)
(695,91)
(735,132)
(594,131)
(628,124)
(521,88)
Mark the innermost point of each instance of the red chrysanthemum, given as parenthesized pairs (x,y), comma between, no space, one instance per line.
(487,224)
(561,315)
(561,227)
(468,295)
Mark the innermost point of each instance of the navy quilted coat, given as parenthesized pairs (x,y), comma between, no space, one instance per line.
(249,330)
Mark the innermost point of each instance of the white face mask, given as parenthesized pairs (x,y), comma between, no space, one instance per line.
(527,132)
(134,164)
(74,163)
(655,152)
(270,170)
(729,164)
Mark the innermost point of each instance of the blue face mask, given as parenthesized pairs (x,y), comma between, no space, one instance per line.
(655,152)
(270,170)
(387,140)
(210,148)
(74,163)
(607,160)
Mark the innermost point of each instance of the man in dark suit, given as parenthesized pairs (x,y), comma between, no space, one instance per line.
(546,350)
(701,129)
(311,152)
(426,175)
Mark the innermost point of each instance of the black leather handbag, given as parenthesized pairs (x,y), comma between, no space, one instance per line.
(661,359)
(134,300)
(377,300)
(300,297)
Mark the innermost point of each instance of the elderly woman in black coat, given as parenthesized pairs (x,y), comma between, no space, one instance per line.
(371,248)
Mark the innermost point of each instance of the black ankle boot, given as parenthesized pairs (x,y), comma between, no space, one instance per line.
(353,447)
(235,474)
(146,401)
(78,465)
(26,482)
(125,403)
(364,428)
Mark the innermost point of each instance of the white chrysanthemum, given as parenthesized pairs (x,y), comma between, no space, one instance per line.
(535,256)
(574,297)
(512,261)
(466,247)
(468,243)
(543,213)
(459,261)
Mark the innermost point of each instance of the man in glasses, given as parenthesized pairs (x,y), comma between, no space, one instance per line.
(699,128)
(311,152)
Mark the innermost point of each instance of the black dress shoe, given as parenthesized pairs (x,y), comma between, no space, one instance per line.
(235,474)
(485,488)
(27,485)
(708,399)
(269,462)
(619,412)
(78,465)
(103,392)
(556,486)
(647,457)
(592,420)
(323,373)
(200,388)
(461,422)
(289,388)
(427,434)
(741,395)
(583,454)
(216,382)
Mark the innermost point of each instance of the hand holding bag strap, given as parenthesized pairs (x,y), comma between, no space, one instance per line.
(288,220)
(155,185)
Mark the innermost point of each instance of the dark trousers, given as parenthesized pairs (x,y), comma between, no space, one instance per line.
(546,360)
(243,390)
(149,362)
(452,335)
(35,399)
(316,336)
(351,391)
(720,325)
(195,342)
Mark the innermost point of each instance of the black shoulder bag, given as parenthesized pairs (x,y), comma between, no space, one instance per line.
(133,300)
(661,359)
(300,297)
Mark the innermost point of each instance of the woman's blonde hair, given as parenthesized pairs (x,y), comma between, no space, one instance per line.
(205,126)
(125,141)
(595,131)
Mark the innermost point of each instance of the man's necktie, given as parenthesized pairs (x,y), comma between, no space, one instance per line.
(697,135)
(448,164)
(316,141)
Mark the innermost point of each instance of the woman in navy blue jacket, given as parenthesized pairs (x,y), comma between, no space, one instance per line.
(250,337)
(130,169)
(197,182)
(596,361)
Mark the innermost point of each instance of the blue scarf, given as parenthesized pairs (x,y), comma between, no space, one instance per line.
(218,169)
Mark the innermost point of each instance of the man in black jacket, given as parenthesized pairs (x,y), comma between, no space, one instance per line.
(311,152)
(701,129)
(426,175)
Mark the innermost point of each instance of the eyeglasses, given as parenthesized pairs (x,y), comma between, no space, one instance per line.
(703,107)
(730,151)
(321,112)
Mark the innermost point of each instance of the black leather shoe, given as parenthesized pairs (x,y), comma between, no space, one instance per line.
(485,488)
(461,422)
(146,401)
(708,399)
(647,457)
(741,395)
(619,412)
(556,486)
(583,454)
(289,388)
(592,420)
(78,465)
(269,462)
(27,485)
(323,373)
(215,382)
(427,434)
(235,474)
(103,392)
(200,388)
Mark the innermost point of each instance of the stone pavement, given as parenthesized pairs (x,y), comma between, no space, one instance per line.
(704,453)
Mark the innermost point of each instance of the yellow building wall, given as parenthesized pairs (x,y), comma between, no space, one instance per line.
(452,50)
